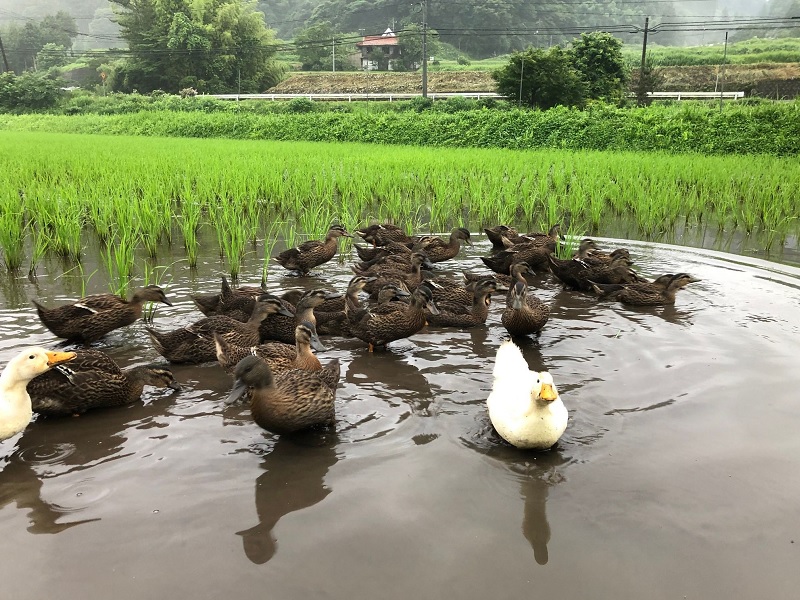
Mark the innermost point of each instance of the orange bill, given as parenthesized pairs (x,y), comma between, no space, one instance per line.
(56,358)
(548,392)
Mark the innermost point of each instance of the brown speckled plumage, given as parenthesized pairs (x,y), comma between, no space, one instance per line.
(90,318)
(289,401)
(93,380)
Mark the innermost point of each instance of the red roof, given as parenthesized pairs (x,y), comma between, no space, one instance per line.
(387,39)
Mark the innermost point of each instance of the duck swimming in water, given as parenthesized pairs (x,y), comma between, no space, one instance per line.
(524,405)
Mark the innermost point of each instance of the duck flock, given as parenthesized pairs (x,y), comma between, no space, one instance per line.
(266,341)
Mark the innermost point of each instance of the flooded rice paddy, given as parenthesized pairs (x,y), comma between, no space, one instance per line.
(677,475)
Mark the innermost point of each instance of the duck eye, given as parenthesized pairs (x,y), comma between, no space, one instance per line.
(32,356)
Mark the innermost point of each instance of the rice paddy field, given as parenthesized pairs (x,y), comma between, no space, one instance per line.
(676,476)
(61,193)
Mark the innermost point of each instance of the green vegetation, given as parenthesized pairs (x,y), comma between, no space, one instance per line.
(247,191)
(592,68)
(741,128)
(28,92)
(752,51)
(211,46)
(315,48)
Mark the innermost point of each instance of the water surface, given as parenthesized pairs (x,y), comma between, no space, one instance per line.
(676,477)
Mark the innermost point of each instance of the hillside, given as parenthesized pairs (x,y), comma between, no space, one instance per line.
(761,79)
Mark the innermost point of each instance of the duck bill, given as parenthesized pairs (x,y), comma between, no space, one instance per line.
(316,344)
(432,307)
(401,294)
(56,358)
(516,304)
(285,312)
(175,386)
(239,389)
(165,301)
(548,393)
(333,295)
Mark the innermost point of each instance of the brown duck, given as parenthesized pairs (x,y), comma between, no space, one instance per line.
(371,253)
(90,318)
(381,234)
(659,292)
(497,233)
(93,380)
(194,343)
(280,327)
(237,303)
(313,253)
(409,279)
(334,322)
(380,329)
(280,356)
(285,402)
(525,314)
(438,249)
(578,274)
(453,314)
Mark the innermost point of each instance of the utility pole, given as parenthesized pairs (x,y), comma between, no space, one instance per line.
(521,71)
(3,51)
(724,60)
(333,45)
(424,48)
(642,91)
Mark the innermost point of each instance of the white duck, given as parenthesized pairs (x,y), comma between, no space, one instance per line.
(15,403)
(524,406)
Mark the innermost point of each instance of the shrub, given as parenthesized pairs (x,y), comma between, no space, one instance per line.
(29,91)
(300,105)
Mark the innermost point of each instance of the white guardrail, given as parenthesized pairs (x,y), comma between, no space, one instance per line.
(351,97)
(444,95)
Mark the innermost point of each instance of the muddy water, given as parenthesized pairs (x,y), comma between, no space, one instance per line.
(677,476)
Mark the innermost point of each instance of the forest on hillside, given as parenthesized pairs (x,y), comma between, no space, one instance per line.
(480,28)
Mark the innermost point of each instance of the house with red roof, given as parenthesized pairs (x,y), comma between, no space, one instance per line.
(379,52)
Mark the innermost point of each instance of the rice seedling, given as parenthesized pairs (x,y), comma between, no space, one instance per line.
(119,259)
(12,233)
(270,240)
(74,185)
(153,275)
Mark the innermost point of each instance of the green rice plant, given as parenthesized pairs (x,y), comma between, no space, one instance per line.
(153,275)
(232,237)
(39,247)
(270,240)
(119,259)
(74,184)
(12,233)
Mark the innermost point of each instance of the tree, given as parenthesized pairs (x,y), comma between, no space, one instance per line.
(51,55)
(29,91)
(315,48)
(410,42)
(213,46)
(598,58)
(541,79)
(646,80)
(22,44)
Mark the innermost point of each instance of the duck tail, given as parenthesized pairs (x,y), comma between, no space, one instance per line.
(509,361)
(155,338)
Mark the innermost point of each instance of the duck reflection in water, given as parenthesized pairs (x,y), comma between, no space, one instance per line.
(536,473)
(535,483)
(293,479)
(391,377)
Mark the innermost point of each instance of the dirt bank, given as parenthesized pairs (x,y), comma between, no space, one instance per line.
(771,79)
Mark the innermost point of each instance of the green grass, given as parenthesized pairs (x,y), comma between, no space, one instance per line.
(752,51)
